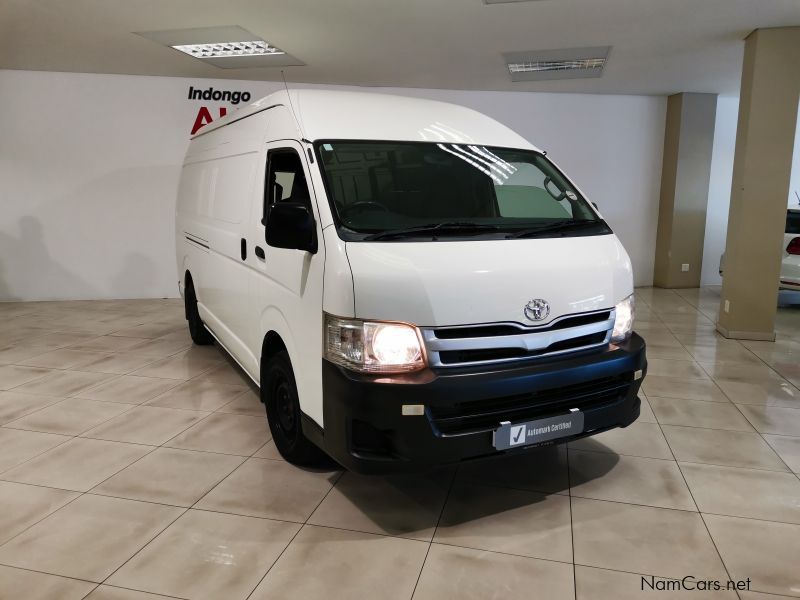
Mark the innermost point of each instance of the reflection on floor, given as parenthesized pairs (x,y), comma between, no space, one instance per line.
(137,462)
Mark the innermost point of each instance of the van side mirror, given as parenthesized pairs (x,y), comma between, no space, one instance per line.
(291,225)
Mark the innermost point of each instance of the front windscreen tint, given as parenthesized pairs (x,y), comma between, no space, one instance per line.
(377,187)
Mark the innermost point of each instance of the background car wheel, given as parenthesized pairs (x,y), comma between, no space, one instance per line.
(279,394)
(197,330)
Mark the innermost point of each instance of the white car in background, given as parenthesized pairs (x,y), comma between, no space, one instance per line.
(790,263)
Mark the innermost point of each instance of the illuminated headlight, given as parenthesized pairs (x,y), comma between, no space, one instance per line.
(373,346)
(623,321)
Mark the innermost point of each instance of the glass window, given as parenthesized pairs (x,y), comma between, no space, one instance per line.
(286,179)
(379,187)
(793,221)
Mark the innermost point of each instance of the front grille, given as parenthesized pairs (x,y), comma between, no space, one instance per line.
(485,415)
(449,357)
(505,342)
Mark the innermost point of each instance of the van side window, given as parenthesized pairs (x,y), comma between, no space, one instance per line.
(286,180)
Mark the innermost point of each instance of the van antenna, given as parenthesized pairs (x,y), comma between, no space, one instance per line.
(291,109)
(798,197)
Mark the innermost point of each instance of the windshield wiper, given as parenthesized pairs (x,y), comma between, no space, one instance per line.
(563,225)
(432,228)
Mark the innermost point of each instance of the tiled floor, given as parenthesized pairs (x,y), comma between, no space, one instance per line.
(134,466)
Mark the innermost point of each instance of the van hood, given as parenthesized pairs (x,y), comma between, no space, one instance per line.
(487,281)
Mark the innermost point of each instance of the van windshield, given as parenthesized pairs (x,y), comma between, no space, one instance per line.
(391,191)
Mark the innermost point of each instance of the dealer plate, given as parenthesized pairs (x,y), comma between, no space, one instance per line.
(534,432)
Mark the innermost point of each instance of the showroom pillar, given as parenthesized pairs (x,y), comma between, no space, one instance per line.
(685,173)
(761,171)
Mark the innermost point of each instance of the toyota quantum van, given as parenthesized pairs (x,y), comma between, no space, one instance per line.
(410,283)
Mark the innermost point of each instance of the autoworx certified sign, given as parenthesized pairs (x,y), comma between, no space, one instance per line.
(204,116)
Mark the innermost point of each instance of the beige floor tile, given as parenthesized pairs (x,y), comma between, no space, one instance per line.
(14,405)
(268,450)
(169,476)
(78,464)
(184,560)
(120,363)
(592,583)
(684,369)
(638,439)
(58,339)
(146,330)
(668,352)
(177,366)
(467,574)
(643,539)
(750,493)
(773,419)
(129,389)
(76,542)
(69,417)
(649,481)
(160,348)
(151,425)
(788,448)
(760,596)
(226,373)
(247,403)
(19,446)
(15,354)
(229,434)
(696,413)
(770,393)
(646,414)
(507,520)
(766,552)
(719,447)
(29,585)
(63,358)
(63,383)
(403,506)
(23,505)
(198,396)
(345,565)
(754,373)
(688,389)
(107,592)
(538,469)
(106,343)
(12,376)
(271,489)
(718,353)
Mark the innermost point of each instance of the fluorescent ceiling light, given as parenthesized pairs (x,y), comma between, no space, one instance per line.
(561,63)
(226,49)
(556,65)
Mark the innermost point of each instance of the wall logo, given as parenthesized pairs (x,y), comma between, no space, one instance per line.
(210,94)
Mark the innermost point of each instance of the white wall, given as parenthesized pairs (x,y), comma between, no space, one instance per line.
(89,166)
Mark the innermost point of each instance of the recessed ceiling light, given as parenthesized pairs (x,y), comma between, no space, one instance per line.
(556,65)
(222,49)
(563,63)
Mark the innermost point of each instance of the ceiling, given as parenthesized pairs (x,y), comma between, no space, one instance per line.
(658,46)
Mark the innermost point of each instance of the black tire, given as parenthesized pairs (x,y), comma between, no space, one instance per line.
(279,395)
(197,330)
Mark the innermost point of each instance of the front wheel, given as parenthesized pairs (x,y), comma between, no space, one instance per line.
(279,394)
(197,330)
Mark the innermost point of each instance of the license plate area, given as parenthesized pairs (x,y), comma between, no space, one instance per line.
(529,433)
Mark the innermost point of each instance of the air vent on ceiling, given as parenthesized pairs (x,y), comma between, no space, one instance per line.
(229,47)
(567,63)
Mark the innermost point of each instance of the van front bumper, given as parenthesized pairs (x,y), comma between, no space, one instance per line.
(366,431)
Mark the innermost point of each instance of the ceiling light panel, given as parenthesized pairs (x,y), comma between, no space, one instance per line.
(223,49)
(565,63)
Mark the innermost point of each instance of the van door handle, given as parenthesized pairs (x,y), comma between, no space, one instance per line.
(244,249)
(260,252)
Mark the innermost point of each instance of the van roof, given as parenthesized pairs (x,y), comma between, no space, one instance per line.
(333,115)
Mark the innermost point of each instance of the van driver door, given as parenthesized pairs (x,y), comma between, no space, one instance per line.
(286,285)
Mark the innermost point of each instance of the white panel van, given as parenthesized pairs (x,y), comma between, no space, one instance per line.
(410,283)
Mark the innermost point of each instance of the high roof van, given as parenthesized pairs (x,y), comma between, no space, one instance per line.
(409,282)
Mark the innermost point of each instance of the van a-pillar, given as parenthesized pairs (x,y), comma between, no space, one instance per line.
(759,193)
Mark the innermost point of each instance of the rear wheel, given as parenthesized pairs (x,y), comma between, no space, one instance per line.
(279,394)
(197,330)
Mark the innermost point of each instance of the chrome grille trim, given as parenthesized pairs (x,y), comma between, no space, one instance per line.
(530,339)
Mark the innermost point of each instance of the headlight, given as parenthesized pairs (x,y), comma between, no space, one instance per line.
(373,346)
(623,322)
